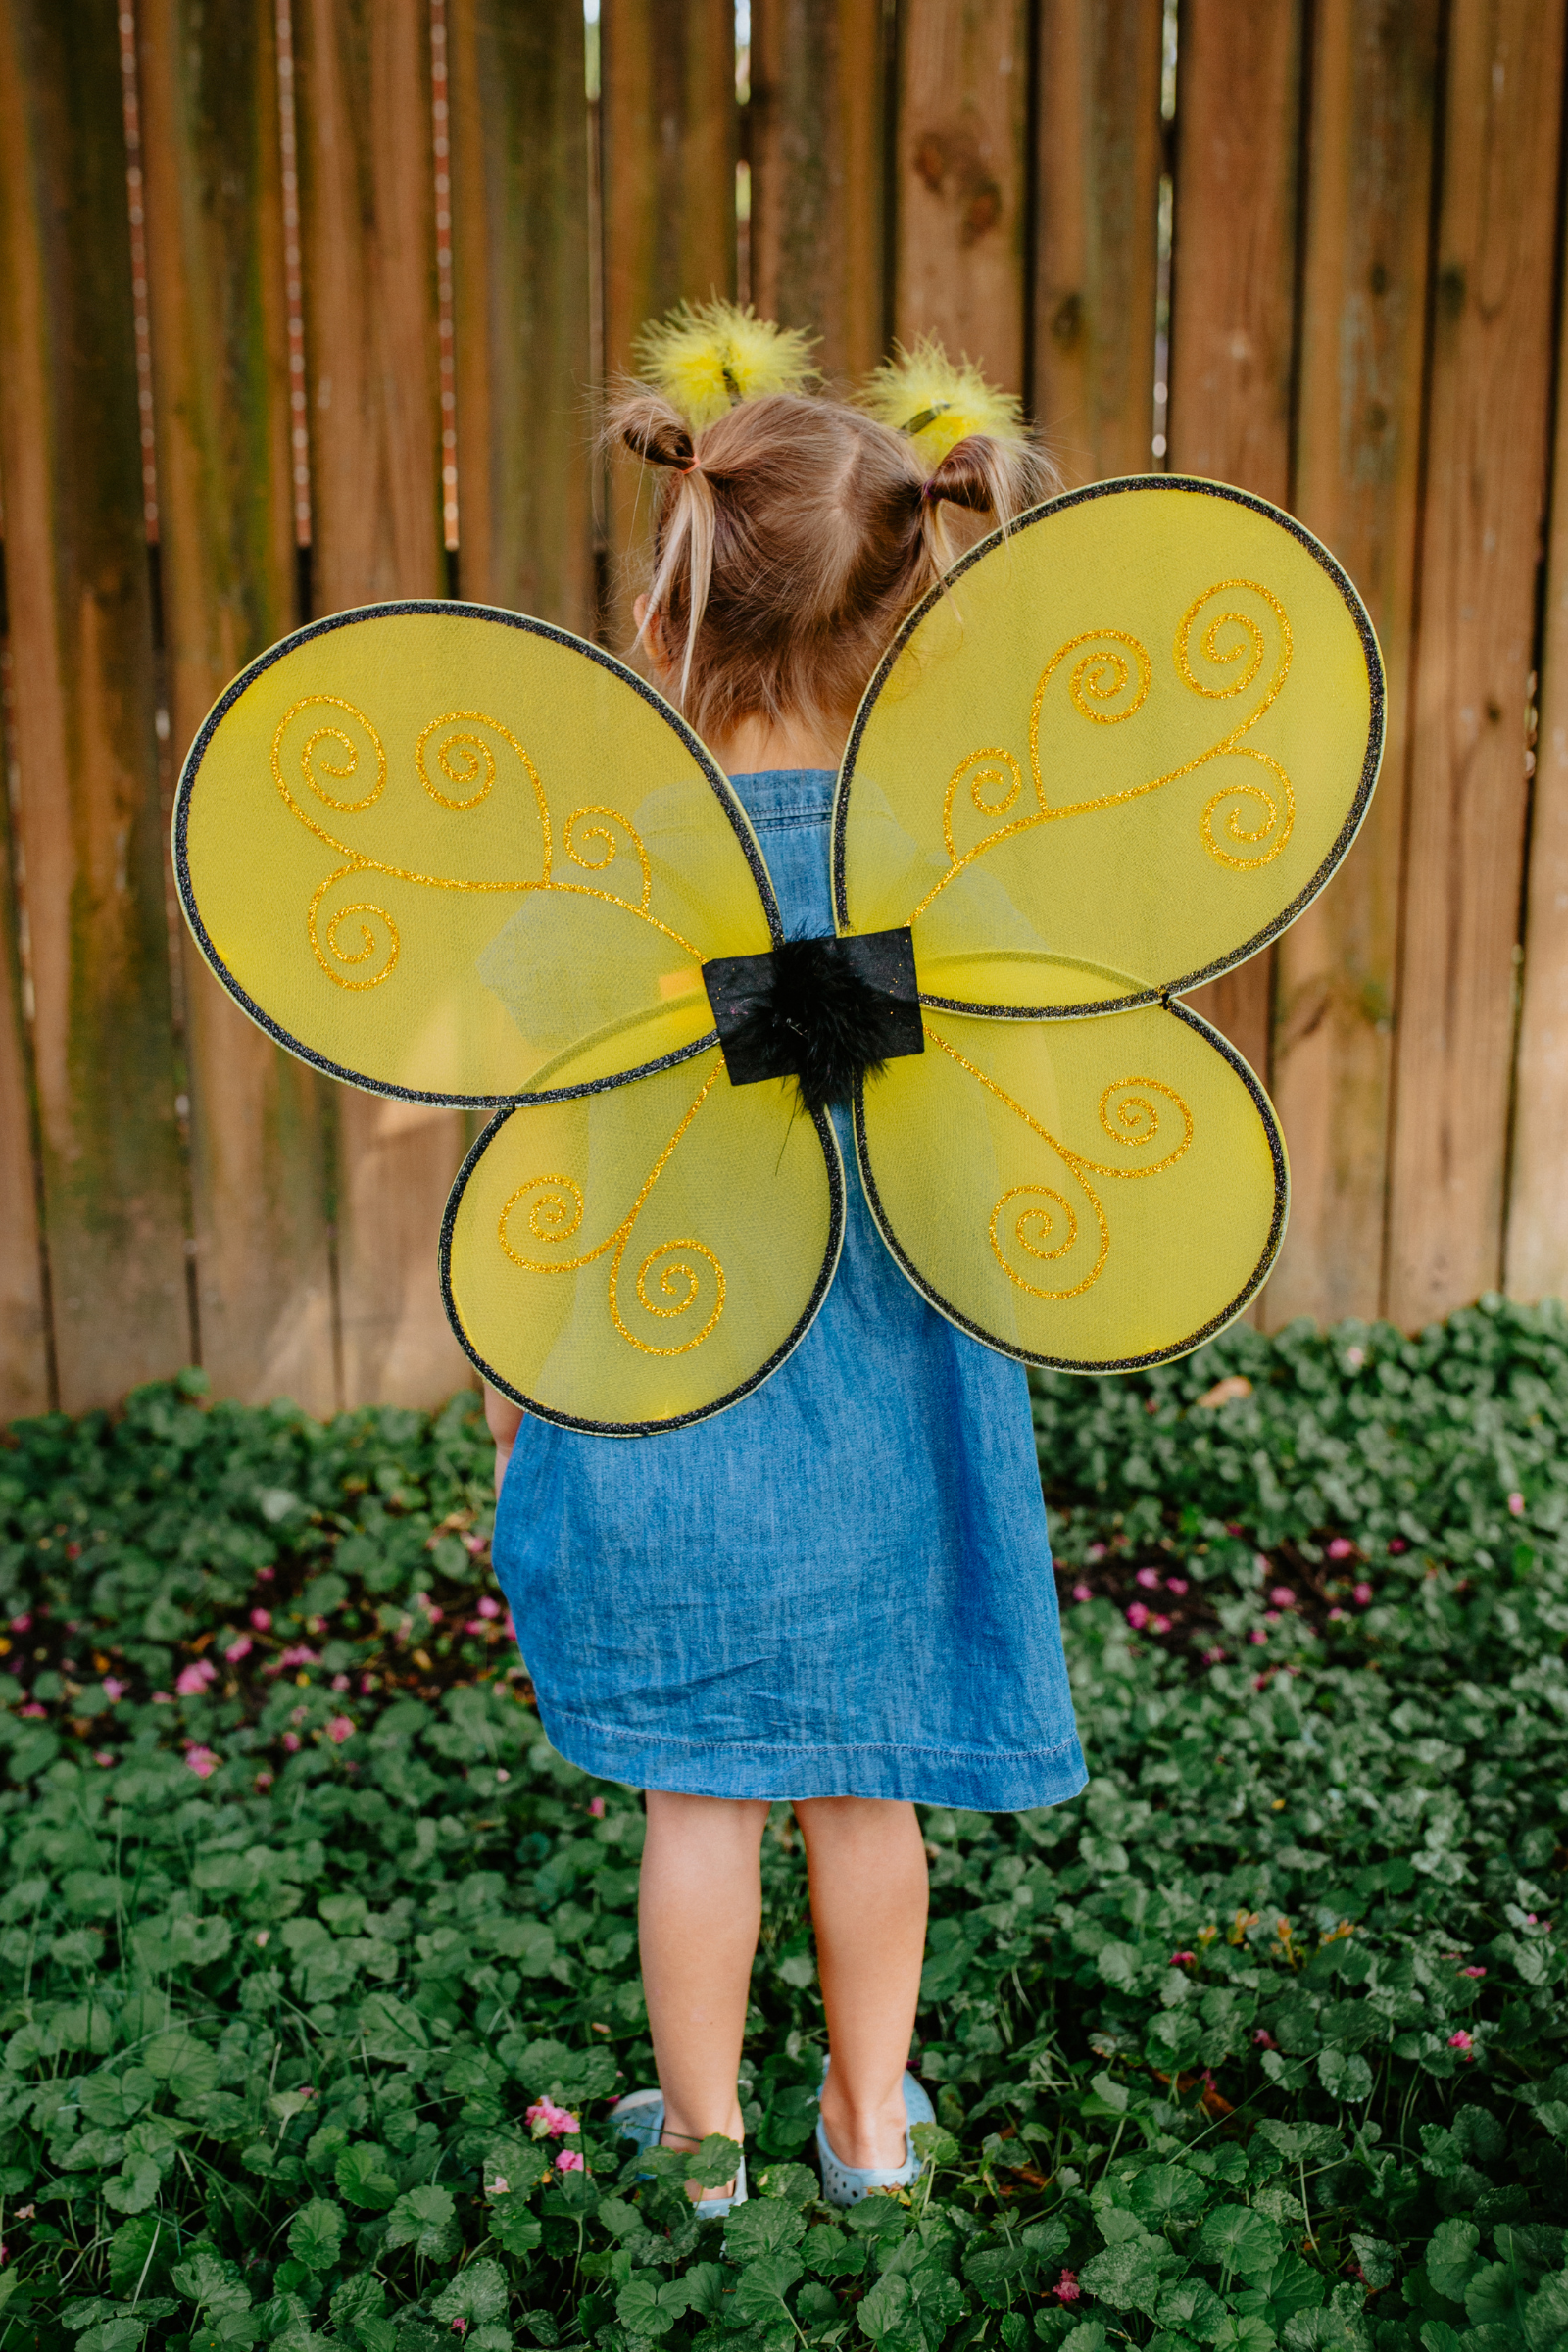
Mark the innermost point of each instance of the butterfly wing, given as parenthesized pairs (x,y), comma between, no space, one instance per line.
(1114,754)
(452,855)
(634,1259)
(1094,1194)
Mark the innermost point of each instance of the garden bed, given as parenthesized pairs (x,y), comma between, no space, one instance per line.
(1261,2042)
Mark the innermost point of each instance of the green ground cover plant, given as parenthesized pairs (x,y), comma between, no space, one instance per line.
(318,1967)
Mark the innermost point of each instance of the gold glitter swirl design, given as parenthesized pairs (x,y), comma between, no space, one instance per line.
(1110,683)
(1129,1116)
(556,1213)
(330,949)
(464,759)
(995,772)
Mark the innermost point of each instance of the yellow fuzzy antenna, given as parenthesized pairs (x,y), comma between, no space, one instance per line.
(939,401)
(708,356)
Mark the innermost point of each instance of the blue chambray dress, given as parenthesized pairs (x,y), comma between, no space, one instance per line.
(842,1586)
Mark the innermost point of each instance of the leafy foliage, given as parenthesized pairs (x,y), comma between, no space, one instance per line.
(1259,2043)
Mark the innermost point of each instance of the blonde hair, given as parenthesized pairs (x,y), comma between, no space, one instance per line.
(792,536)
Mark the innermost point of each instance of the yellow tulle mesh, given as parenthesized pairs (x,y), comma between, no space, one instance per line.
(1119,750)
(1083,1193)
(457,858)
(635,1257)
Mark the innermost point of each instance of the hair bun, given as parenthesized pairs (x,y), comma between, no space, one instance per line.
(965,477)
(655,432)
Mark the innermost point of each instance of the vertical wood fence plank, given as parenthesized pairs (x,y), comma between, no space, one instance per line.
(259,1134)
(24,1338)
(520,169)
(962,180)
(1486,485)
(1097,164)
(1357,485)
(1537,1257)
(371,323)
(81,641)
(667,138)
(1237,110)
(818,233)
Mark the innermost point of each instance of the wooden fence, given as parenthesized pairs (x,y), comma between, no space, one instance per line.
(297,313)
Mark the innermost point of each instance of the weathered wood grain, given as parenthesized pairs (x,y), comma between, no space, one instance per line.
(369,233)
(1357,485)
(25,1384)
(962,178)
(667,142)
(1486,484)
(820,175)
(221,384)
(1098,153)
(519,174)
(1536,1265)
(82,643)
(1238,113)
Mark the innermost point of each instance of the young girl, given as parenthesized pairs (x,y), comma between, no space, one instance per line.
(838,1593)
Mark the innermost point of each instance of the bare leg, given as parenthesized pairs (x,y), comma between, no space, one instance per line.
(699,1913)
(869,1903)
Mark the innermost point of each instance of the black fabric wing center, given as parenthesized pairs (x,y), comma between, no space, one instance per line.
(827,1012)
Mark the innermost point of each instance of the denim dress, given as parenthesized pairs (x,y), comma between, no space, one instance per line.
(842,1586)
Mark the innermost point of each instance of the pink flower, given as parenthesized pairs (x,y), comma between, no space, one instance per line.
(475,1625)
(1264,2039)
(264,1781)
(1213,1657)
(202,1761)
(194,1679)
(32,1709)
(569,2161)
(1397,1543)
(1339,1616)
(460,2327)
(1340,1548)
(1362,1596)
(21,1623)
(114,1688)
(340,1728)
(340,1681)
(1149,1577)
(596,1806)
(291,1741)
(1262,1562)
(1067,2288)
(1096,1551)
(239,1648)
(1138,1616)
(1260,1682)
(422,1600)
(299,1653)
(502,1774)
(1233,1527)
(366,1685)
(1356,1357)
(473,1546)
(1474,1972)
(1283,1598)
(1176,1585)
(1258,1635)
(1271,1616)
(1182,1959)
(488,1608)
(264,1576)
(547,2120)
(262,1620)
(316,1625)
(103,1755)
(1082,1592)
(496,2188)
(1516,1505)
(1159,1625)
(1462,2041)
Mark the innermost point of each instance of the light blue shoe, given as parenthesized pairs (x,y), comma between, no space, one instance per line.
(847,2183)
(640,2116)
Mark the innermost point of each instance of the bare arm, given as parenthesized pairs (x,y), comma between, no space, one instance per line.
(504,1419)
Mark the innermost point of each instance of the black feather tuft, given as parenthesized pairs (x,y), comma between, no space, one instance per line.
(829,1012)
(819,1019)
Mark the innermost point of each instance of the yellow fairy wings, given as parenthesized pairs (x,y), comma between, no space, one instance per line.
(455,854)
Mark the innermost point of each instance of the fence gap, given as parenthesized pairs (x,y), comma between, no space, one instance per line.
(1169,59)
(441,150)
(294,311)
